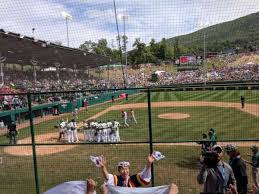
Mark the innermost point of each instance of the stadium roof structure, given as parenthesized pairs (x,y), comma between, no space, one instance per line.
(24,50)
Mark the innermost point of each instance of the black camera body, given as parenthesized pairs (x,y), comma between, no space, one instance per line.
(210,158)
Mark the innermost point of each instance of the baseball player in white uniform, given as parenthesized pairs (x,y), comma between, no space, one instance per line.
(116,125)
(106,134)
(124,115)
(62,130)
(86,131)
(132,117)
(99,132)
(75,136)
(70,137)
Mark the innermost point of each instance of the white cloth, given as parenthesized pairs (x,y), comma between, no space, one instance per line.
(2,125)
(128,190)
(72,187)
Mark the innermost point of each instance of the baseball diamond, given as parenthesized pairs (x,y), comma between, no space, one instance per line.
(205,109)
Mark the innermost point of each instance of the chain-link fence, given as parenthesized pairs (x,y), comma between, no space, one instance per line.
(47,151)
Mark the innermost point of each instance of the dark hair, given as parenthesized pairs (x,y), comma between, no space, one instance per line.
(119,167)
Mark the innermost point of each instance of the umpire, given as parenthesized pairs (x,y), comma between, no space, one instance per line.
(12,132)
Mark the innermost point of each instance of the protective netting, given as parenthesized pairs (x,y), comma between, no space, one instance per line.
(124,78)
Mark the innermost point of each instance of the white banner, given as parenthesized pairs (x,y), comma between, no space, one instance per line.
(72,187)
(149,190)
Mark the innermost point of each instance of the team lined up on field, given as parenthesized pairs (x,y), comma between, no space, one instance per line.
(93,131)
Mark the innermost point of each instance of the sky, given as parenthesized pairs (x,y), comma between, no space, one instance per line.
(95,19)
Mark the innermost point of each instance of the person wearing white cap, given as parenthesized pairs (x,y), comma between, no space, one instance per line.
(239,168)
(218,178)
(125,179)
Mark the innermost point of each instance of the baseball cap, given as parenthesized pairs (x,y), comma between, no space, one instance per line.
(231,148)
(123,164)
(254,148)
(211,129)
(217,148)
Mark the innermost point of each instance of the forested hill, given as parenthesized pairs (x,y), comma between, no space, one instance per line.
(242,32)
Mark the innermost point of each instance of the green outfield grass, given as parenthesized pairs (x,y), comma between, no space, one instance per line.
(237,125)
(229,123)
(180,166)
(252,96)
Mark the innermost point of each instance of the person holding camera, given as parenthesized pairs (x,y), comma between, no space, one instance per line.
(255,165)
(239,168)
(205,144)
(215,174)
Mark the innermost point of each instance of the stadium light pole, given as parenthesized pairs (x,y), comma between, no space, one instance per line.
(203,25)
(204,46)
(124,17)
(34,63)
(2,60)
(67,17)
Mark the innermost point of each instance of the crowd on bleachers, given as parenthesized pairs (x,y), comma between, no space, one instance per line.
(48,81)
(228,73)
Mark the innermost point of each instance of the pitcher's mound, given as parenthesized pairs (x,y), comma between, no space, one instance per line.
(174,116)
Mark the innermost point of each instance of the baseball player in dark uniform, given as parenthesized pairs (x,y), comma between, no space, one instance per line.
(12,133)
(242,100)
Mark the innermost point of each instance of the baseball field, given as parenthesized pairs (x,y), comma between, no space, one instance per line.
(179,117)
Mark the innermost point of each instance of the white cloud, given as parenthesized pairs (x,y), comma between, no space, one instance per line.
(94,19)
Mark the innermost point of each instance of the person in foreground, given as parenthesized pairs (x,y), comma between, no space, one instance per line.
(124,179)
(216,175)
(116,184)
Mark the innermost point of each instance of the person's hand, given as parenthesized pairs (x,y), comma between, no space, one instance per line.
(201,159)
(232,189)
(173,189)
(150,159)
(102,161)
(254,188)
(90,185)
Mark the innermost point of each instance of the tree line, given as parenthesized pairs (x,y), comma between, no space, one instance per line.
(164,50)
(153,52)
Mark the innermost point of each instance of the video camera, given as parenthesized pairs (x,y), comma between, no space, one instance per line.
(210,158)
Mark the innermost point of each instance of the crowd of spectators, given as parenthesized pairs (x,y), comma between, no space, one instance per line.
(227,73)
(142,76)
(24,81)
(67,81)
